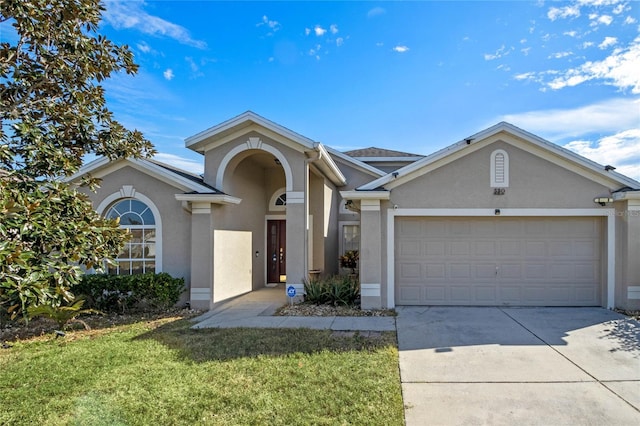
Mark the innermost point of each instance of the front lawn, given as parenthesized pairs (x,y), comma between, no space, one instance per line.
(163,373)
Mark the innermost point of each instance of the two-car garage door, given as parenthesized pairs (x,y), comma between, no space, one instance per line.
(518,261)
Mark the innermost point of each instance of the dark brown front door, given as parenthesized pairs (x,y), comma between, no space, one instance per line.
(276,251)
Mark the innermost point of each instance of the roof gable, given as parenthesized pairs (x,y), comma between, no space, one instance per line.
(528,141)
(249,121)
(242,124)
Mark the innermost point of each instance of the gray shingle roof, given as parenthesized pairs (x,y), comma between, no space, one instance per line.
(379,152)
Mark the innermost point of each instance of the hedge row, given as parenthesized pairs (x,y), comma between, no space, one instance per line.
(129,293)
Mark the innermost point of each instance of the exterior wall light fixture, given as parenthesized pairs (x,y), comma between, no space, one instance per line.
(603,200)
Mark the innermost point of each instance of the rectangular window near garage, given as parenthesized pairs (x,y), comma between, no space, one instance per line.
(350,238)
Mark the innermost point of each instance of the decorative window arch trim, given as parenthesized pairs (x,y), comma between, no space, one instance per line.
(273,201)
(128,191)
(254,143)
(499,169)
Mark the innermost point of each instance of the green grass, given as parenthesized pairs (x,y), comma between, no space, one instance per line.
(164,373)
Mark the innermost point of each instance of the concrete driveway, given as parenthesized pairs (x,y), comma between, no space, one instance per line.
(546,366)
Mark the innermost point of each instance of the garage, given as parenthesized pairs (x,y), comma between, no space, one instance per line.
(496,261)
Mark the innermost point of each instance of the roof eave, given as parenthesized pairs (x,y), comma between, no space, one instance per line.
(365,195)
(209,198)
(150,166)
(329,167)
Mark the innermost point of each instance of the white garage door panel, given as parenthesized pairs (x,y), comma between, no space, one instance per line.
(498,261)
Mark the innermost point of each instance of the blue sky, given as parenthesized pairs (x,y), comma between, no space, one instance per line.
(410,76)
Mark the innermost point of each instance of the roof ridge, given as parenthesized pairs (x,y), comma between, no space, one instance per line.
(373,151)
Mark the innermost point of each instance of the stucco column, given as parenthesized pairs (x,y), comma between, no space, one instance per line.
(201,256)
(370,254)
(632,253)
(296,241)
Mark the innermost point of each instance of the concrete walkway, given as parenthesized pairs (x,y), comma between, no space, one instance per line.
(526,366)
(256,310)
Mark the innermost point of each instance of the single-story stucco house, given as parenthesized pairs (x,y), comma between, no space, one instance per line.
(503,217)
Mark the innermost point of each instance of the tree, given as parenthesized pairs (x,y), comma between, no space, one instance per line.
(52,113)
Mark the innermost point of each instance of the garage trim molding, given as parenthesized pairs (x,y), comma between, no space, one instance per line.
(610,237)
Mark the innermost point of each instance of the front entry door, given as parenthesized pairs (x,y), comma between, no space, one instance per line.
(276,251)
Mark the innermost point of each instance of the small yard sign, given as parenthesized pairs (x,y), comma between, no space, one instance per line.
(291,291)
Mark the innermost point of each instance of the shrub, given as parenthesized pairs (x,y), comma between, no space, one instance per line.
(350,260)
(335,290)
(120,293)
(63,315)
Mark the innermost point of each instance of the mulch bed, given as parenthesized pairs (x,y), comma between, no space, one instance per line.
(18,330)
(629,313)
(313,310)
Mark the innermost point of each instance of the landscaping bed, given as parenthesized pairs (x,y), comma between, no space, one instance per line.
(42,327)
(327,310)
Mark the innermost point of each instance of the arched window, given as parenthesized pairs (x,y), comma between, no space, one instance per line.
(278,201)
(139,254)
(499,169)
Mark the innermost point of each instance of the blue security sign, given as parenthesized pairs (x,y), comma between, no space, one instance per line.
(291,291)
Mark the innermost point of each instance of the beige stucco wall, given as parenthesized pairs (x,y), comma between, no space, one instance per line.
(354,176)
(627,253)
(465,183)
(176,222)
(214,158)
(232,264)
(323,206)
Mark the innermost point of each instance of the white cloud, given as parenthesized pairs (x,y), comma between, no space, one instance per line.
(559,55)
(621,150)
(333,28)
(400,49)
(600,19)
(168,74)
(273,25)
(319,31)
(315,51)
(525,76)
(603,117)
(621,8)
(598,3)
(143,47)
(630,20)
(186,164)
(307,31)
(525,51)
(376,11)
(339,41)
(607,132)
(563,12)
(570,33)
(503,51)
(130,14)
(608,41)
(192,64)
(587,44)
(620,69)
